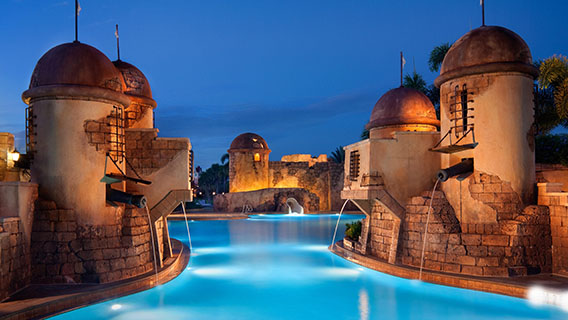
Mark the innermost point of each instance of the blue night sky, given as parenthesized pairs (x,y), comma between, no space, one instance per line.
(305,75)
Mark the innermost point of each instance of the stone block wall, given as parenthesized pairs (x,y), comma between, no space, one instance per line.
(101,133)
(325,179)
(381,232)
(15,264)
(551,195)
(147,153)
(64,252)
(266,200)
(508,247)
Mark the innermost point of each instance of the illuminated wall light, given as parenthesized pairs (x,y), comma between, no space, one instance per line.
(14,156)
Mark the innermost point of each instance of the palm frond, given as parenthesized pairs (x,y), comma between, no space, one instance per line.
(437,56)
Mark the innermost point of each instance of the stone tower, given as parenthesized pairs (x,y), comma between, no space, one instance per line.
(486,96)
(77,105)
(248,163)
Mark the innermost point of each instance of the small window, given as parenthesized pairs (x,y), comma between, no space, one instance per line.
(354,165)
(256,157)
(460,111)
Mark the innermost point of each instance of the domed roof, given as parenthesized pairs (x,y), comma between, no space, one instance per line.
(249,141)
(403,106)
(134,80)
(76,63)
(499,46)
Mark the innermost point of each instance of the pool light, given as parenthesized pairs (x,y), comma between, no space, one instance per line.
(116,306)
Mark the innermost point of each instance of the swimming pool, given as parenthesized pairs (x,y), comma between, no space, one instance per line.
(278,267)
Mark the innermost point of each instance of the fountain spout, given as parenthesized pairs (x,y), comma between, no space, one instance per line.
(464,167)
(294,206)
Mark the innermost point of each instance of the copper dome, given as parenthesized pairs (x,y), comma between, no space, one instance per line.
(487,49)
(249,141)
(135,82)
(76,63)
(403,106)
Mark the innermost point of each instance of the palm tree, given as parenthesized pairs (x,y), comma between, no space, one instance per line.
(415,81)
(338,155)
(224,158)
(364,134)
(554,75)
(437,56)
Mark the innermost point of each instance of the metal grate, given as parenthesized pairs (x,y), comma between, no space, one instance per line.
(31,134)
(354,163)
(116,122)
(462,119)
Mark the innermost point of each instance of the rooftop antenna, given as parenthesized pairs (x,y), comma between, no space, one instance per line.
(482,3)
(117,43)
(77,10)
(402,63)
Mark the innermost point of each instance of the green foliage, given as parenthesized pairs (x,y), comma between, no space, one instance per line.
(415,81)
(215,179)
(353,230)
(552,148)
(225,158)
(554,75)
(437,56)
(338,155)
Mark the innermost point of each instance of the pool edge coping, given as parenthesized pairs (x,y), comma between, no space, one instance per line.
(107,291)
(439,278)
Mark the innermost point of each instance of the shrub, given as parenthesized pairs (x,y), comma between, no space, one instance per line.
(353,230)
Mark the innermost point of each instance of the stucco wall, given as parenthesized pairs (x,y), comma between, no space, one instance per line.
(164,161)
(503,118)
(403,164)
(69,162)
(245,174)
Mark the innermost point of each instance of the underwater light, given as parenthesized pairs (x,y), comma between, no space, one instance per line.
(116,306)
(539,295)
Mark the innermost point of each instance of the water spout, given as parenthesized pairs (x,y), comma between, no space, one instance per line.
(426,229)
(153,245)
(294,207)
(337,224)
(187,226)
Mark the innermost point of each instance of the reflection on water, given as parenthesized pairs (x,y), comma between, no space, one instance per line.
(278,267)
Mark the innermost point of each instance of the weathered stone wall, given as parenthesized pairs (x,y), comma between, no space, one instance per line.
(63,251)
(147,153)
(553,173)
(163,161)
(325,179)
(266,200)
(381,232)
(15,264)
(552,195)
(519,245)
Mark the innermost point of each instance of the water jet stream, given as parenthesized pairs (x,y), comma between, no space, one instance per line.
(337,224)
(187,226)
(426,230)
(153,245)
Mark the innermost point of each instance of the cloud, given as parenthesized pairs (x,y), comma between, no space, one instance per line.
(287,127)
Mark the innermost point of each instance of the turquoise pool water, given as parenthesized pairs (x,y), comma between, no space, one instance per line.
(278,267)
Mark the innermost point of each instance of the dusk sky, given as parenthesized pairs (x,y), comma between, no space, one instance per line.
(305,75)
